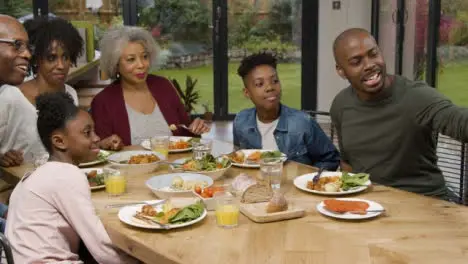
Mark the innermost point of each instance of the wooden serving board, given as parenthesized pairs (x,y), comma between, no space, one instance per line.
(257,213)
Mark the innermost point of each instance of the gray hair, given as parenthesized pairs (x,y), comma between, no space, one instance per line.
(116,39)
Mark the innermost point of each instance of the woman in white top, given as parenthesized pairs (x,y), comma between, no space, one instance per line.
(57,47)
(51,209)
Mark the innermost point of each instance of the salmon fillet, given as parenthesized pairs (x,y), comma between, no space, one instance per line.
(342,206)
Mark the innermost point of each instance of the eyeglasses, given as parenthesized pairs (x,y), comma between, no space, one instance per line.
(19,45)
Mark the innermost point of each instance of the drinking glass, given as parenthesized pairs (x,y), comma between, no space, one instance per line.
(160,144)
(227,209)
(115,181)
(201,149)
(272,171)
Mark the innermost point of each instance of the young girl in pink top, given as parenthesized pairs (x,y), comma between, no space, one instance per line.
(50,209)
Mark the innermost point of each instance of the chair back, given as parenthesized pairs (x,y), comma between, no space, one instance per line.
(6,247)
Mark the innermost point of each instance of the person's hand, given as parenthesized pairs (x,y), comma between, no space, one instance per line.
(11,158)
(113,142)
(345,167)
(199,126)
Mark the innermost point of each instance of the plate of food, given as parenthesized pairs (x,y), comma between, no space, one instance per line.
(136,161)
(95,178)
(333,183)
(177,184)
(209,165)
(101,158)
(250,158)
(169,215)
(350,208)
(176,144)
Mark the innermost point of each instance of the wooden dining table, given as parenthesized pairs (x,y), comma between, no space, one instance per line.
(413,229)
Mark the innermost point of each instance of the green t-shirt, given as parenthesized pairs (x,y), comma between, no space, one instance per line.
(394,137)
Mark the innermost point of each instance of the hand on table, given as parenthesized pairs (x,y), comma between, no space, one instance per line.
(113,142)
(11,158)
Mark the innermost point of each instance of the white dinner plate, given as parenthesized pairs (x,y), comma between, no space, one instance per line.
(103,153)
(147,145)
(247,152)
(99,171)
(126,215)
(301,183)
(349,216)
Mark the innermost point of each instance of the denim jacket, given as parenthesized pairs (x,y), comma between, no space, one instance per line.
(297,135)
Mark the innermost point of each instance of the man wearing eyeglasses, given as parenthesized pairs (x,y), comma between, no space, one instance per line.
(15,54)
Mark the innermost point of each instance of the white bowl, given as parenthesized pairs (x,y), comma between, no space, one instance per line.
(214,174)
(118,157)
(158,182)
(210,203)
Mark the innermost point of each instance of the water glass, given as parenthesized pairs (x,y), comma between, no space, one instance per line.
(201,149)
(227,209)
(160,144)
(272,171)
(115,181)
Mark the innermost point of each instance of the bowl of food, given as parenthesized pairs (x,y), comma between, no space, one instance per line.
(209,166)
(206,194)
(177,184)
(136,161)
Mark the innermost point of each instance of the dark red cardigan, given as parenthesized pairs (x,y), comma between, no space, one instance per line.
(110,114)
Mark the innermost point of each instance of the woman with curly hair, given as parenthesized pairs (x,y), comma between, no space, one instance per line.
(51,209)
(58,45)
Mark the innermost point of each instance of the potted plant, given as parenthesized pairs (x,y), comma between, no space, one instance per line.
(189,96)
(208,115)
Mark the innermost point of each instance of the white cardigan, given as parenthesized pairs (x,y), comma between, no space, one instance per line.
(18,121)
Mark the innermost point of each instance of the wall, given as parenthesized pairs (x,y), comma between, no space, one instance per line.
(353,13)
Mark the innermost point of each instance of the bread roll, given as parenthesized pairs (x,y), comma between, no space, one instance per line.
(277,203)
(257,193)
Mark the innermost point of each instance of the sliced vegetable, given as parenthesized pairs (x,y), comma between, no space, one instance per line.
(350,181)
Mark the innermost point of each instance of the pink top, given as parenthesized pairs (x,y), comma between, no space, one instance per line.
(50,211)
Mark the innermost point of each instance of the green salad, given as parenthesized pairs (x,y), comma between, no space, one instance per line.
(355,180)
(103,155)
(208,163)
(188,213)
(271,154)
(95,178)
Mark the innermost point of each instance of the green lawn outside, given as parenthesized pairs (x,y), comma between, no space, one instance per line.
(452,82)
(290,75)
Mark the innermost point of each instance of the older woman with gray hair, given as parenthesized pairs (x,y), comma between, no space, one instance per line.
(137,104)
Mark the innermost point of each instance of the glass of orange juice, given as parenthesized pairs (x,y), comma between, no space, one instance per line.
(227,209)
(160,144)
(115,181)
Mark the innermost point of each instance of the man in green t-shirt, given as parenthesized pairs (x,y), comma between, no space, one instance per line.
(387,124)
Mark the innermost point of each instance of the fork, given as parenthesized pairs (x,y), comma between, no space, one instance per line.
(317,177)
(152,221)
(358,211)
(134,203)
